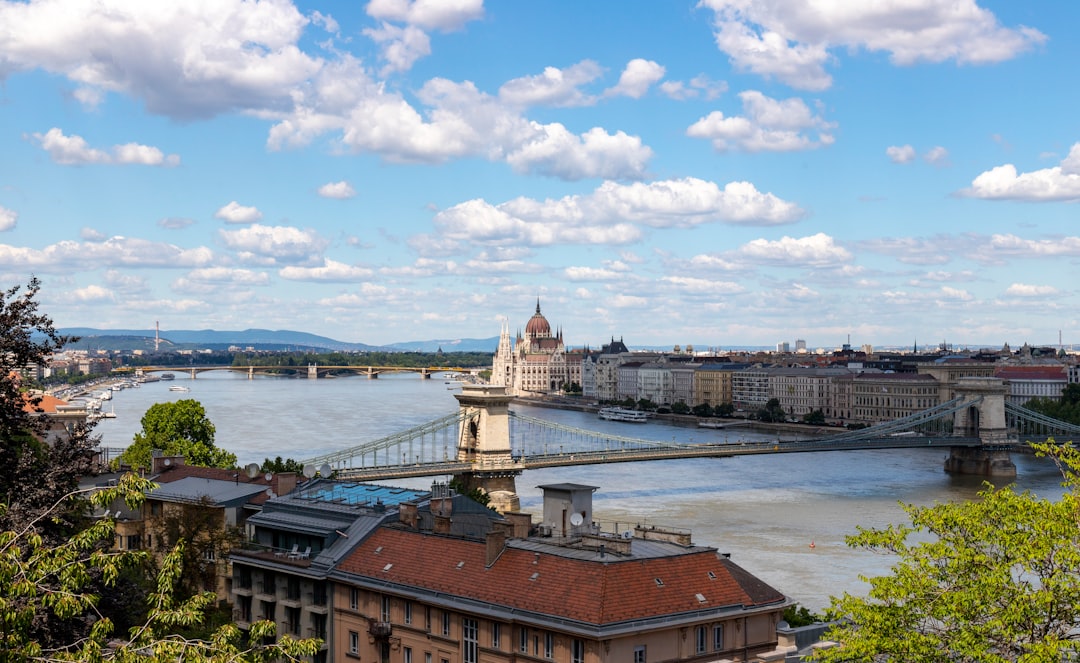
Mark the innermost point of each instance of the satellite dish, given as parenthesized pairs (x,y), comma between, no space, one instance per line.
(269,476)
(252,469)
(167,461)
(309,470)
(576,519)
(627,534)
(270,492)
(324,470)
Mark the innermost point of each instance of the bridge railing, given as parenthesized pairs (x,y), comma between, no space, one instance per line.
(415,445)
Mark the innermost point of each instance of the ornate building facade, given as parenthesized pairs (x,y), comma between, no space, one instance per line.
(536,362)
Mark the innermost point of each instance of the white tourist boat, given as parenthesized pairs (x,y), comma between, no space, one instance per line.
(179,387)
(622,414)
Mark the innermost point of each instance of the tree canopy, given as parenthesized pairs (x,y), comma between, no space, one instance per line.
(993,580)
(178,428)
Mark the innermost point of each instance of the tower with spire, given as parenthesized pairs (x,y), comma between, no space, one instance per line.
(536,361)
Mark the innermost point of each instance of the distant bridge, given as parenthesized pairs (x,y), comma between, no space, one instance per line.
(484,442)
(308,370)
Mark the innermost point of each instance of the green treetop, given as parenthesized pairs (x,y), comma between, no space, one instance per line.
(177,428)
(993,580)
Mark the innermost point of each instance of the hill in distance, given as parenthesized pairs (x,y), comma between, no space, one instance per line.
(260,339)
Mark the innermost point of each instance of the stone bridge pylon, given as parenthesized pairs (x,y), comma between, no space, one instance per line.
(484,441)
(984,417)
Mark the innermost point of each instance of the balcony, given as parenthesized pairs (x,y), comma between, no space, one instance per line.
(379,630)
(242,618)
(261,552)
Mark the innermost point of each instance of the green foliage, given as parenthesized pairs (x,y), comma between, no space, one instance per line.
(772,412)
(279,465)
(402,359)
(178,428)
(645,404)
(475,494)
(680,408)
(702,410)
(725,409)
(815,417)
(1065,409)
(992,580)
(36,577)
(798,615)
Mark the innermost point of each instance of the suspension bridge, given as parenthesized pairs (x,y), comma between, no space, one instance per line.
(486,445)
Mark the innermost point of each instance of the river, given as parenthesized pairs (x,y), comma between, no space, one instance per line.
(765,511)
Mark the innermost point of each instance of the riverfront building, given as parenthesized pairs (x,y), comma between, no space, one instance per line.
(536,362)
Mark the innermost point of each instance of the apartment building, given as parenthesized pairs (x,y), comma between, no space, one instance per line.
(803,390)
(1028,382)
(410,594)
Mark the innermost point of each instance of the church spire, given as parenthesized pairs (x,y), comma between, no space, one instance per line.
(538,306)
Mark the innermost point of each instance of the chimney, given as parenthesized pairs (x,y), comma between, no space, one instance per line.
(407,514)
(286,482)
(442,523)
(161,463)
(495,544)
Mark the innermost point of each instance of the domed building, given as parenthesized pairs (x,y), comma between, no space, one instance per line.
(536,362)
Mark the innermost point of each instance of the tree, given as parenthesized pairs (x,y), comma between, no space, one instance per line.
(280,465)
(816,417)
(177,428)
(680,408)
(702,410)
(35,578)
(772,412)
(725,410)
(996,579)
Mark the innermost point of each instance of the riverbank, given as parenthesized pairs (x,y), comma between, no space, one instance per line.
(685,420)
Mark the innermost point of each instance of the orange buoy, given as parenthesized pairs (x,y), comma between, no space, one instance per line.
(812,544)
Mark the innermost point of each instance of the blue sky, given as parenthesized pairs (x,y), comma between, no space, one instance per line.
(719,173)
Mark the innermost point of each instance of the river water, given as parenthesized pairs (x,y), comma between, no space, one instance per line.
(765,511)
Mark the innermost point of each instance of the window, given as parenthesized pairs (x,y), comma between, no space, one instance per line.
(292,620)
(577,651)
(495,628)
(523,640)
(446,622)
(470,636)
(427,620)
(354,598)
(133,542)
(408,612)
(639,654)
(209,555)
(549,645)
(385,613)
(699,639)
(406,655)
(354,643)
(718,637)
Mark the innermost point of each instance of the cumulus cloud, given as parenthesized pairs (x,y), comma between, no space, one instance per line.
(226,275)
(900,153)
(402,45)
(937,156)
(612,213)
(329,271)
(69,256)
(636,79)
(553,87)
(233,54)
(791,40)
(338,190)
(690,285)
(553,150)
(7,219)
(75,151)
(818,250)
(234,212)
(275,244)
(86,295)
(1059,183)
(768,125)
(1026,290)
(699,86)
(175,222)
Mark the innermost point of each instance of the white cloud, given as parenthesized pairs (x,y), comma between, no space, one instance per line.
(592,274)
(698,286)
(75,151)
(553,87)
(68,256)
(87,295)
(612,212)
(175,222)
(225,55)
(700,85)
(275,244)
(8,219)
(338,190)
(330,270)
(1059,183)
(937,156)
(402,46)
(628,301)
(791,39)
(1026,290)
(234,212)
(552,150)
(636,79)
(226,275)
(768,125)
(818,250)
(900,153)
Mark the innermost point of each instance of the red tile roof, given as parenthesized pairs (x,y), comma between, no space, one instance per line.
(1055,373)
(47,404)
(596,591)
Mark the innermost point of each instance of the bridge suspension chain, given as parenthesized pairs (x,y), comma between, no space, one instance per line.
(1032,417)
(405,443)
(946,409)
(578,434)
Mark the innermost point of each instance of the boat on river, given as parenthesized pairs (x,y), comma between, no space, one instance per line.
(179,387)
(623,414)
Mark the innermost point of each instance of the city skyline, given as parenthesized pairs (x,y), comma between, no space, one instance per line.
(722,172)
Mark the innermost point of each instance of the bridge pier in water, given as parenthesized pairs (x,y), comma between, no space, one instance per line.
(983,418)
(484,441)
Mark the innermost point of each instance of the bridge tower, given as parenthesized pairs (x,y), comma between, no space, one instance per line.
(484,441)
(313,371)
(984,417)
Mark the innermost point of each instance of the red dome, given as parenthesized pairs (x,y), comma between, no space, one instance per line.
(538,325)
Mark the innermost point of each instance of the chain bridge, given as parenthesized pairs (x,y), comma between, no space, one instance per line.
(486,445)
